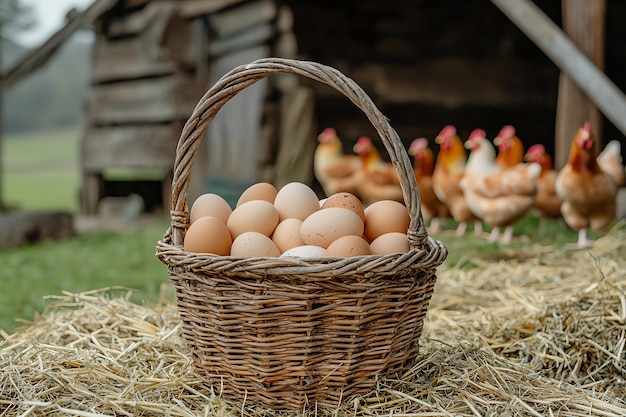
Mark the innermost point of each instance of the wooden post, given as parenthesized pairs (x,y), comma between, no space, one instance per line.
(584,22)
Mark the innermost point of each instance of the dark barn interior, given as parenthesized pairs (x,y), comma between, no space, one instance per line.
(427,64)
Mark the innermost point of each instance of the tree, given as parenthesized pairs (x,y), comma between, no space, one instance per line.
(14,17)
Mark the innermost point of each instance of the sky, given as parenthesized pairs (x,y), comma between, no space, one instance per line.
(49,17)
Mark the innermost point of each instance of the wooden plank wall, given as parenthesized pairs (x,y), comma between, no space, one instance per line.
(143,89)
(153,60)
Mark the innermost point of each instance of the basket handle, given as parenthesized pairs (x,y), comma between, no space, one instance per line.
(245,75)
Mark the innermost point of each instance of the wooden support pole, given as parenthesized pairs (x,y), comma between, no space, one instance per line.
(584,22)
(562,51)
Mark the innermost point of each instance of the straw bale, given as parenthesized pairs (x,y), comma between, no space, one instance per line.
(533,332)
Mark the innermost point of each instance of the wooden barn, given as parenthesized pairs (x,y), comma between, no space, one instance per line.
(425,64)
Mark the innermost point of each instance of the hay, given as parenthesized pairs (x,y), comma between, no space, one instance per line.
(537,332)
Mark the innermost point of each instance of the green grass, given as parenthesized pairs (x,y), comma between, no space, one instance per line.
(527,233)
(41,171)
(83,263)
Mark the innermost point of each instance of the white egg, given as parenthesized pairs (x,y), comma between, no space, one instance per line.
(304,251)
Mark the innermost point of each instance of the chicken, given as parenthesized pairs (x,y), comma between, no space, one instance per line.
(588,193)
(423,165)
(610,160)
(510,148)
(377,179)
(500,197)
(547,202)
(447,174)
(334,170)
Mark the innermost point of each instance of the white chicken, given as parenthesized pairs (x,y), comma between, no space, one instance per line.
(610,160)
(500,197)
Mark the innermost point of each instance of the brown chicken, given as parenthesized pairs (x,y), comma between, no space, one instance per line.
(547,202)
(423,166)
(447,175)
(500,197)
(335,171)
(588,193)
(377,179)
(510,148)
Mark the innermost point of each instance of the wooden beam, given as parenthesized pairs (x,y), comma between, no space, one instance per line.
(562,51)
(193,8)
(149,146)
(127,58)
(584,22)
(150,100)
(239,18)
(248,38)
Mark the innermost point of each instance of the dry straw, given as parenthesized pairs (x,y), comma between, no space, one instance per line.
(288,333)
(542,336)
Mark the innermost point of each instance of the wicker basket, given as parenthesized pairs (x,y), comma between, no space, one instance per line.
(292,333)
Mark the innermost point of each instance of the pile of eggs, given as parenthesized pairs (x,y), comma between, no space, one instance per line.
(292,221)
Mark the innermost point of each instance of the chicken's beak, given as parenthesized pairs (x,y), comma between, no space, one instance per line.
(438,140)
(468,144)
(498,141)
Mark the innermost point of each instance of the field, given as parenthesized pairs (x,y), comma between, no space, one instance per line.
(41,172)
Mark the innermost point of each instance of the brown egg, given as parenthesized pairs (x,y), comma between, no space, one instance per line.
(208,235)
(324,226)
(253,244)
(254,216)
(287,234)
(296,200)
(345,200)
(392,242)
(385,216)
(210,204)
(350,245)
(260,191)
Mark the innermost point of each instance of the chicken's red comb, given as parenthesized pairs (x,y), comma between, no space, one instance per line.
(418,145)
(447,131)
(587,126)
(329,131)
(535,151)
(506,132)
(477,133)
(536,148)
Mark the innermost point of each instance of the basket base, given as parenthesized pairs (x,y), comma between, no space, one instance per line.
(316,345)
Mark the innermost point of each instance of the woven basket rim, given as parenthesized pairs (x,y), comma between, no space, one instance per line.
(355,266)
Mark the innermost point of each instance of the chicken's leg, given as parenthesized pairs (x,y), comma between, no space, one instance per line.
(478,228)
(583,241)
(435,225)
(493,236)
(508,235)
